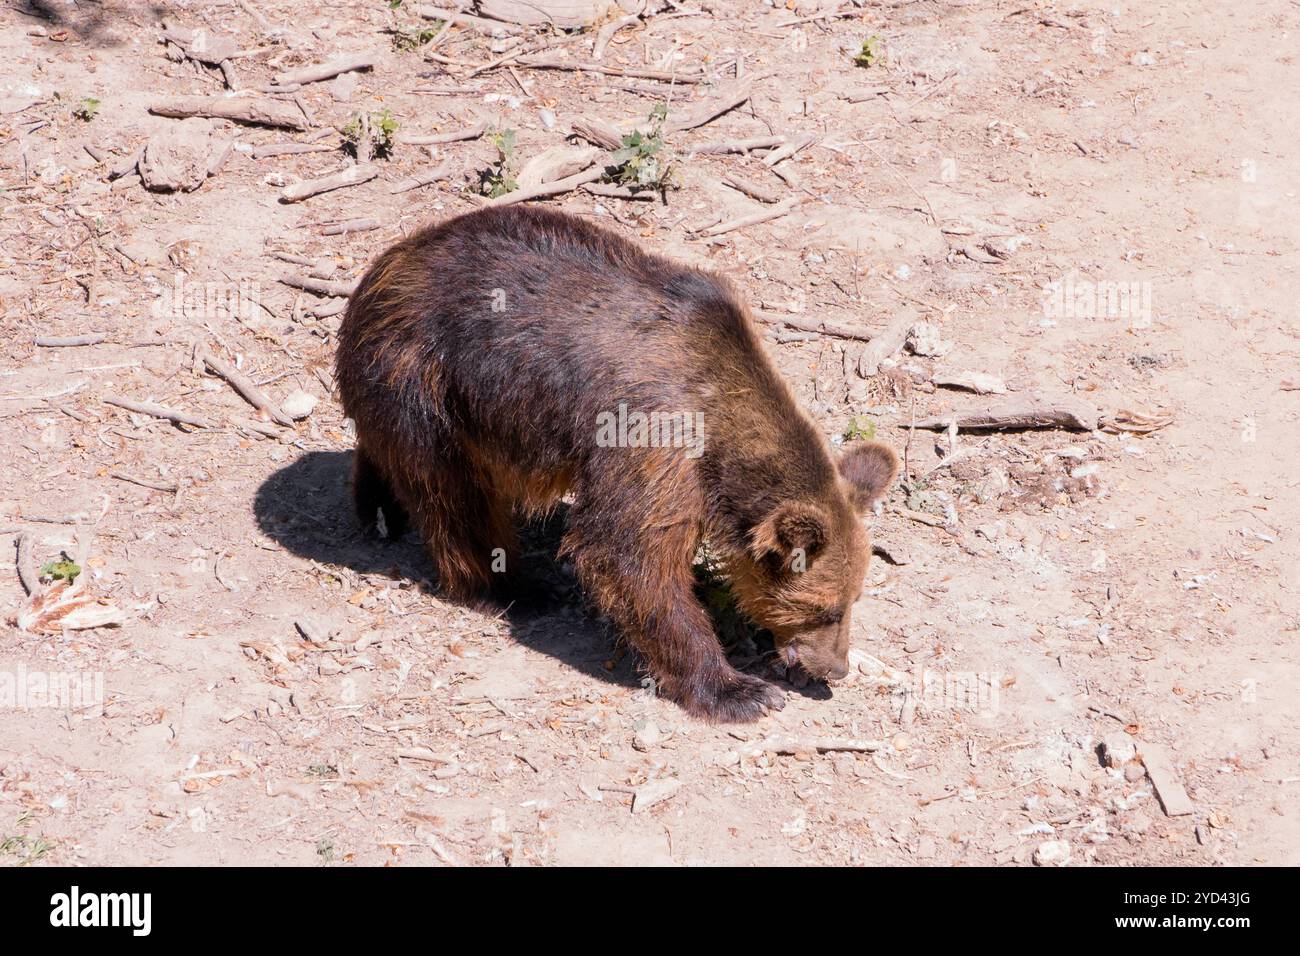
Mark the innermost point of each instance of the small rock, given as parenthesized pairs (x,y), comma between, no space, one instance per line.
(654,793)
(298,405)
(1118,749)
(923,338)
(1052,853)
(1134,772)
(175,162)
(648,735)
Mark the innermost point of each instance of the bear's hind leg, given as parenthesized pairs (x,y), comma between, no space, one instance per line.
(371,493)
(466,524)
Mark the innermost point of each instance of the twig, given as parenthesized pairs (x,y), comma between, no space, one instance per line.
(245,387)
(27,572)
(439,139)
(350,225)
(70,341)
(738,145)
(351,176)
(143,482)
(784,207)
(157,411)
(551,189)
(325,71)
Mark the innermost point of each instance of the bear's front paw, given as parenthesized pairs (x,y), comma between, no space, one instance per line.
(739,699)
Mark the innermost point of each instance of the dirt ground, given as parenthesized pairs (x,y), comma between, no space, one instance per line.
(1088,202)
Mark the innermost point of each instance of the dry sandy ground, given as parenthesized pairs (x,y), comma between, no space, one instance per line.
(1069,586)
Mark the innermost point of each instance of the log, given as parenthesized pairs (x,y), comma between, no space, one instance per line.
(350,176)
(1029,411)
(256,112)
(325,71)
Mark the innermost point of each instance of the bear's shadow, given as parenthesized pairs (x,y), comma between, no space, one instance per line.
(306,508)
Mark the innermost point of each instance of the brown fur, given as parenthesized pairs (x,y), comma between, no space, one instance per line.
(475,359)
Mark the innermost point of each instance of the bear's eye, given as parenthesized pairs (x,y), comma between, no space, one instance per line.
(830,618)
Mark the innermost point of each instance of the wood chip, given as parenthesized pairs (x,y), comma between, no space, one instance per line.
(1160,768)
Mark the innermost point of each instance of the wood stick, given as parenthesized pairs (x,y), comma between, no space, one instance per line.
(438,139)
(245,387)
(598,132)
(143,482)
(290,149)
(257,112)
(789,149)
(751,189)
(886,343)
(70,341)
(350,225)
(784,207)
(423,178)
(480,24)
(620,192)
(27,572)
(738,94)
(607,33)
(551,189)
(738,145)
(830,745)
(1028,411)
(350,176)
(818,326)
(325,71)
(157,411)
(330,287)
(551,63)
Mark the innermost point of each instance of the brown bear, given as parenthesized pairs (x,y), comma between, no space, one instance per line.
(500,360)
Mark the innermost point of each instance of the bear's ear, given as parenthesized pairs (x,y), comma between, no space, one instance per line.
(792,525)
(869,468)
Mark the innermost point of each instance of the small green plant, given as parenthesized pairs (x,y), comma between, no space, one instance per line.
(499,179)
(64,570)
(325,849)
(86,109)
(322,770)
(856,431)
(413,39)
(371,133)
(28,849)
(870,53)
(638,164)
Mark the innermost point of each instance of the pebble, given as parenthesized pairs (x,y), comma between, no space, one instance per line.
(1052,853)
(298,405)
(1118,749)
(647,736)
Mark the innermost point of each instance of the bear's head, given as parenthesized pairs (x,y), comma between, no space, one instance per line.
(806,562)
